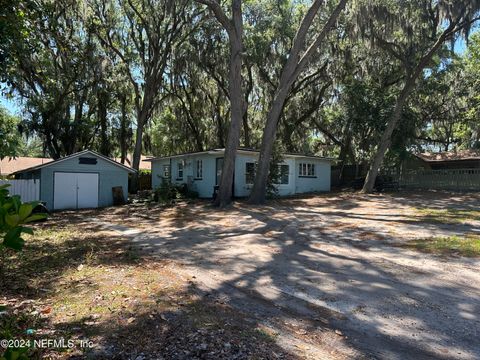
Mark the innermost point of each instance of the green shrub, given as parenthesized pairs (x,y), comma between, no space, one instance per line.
(13,215)
(167,192)
(274,174)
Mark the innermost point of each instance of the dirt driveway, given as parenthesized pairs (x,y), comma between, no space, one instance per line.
(328,274)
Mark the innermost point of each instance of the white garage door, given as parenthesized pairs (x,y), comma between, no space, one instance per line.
(75,191)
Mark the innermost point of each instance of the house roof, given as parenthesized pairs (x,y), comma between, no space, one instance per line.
(240,150)
(10,165)
(33,168)
(145,163)
(458,155)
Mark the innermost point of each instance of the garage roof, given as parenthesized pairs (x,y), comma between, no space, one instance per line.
(33,168)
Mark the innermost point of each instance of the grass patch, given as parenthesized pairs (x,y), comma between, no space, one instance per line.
(262,333)
(447,216)
(468,246)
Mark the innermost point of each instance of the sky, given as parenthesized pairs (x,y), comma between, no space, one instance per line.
(10,105)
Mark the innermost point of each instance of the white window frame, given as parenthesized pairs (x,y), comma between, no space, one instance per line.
(180,170)
(166,171)
(199,169)
(306,170)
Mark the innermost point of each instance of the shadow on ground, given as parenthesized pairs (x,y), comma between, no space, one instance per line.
(302,267)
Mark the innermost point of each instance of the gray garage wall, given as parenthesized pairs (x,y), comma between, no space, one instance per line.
(110,175)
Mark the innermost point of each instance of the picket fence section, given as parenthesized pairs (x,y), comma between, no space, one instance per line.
(29,190)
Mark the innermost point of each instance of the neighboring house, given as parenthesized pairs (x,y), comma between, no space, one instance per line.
(145,164)
(201,171)
(11,165)
(460,159)
(81,180)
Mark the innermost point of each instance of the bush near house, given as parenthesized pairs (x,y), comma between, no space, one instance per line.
(167,192)
(13,215)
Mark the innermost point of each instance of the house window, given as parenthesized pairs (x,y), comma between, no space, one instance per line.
(180,171)
(166,171)
(198,169)
(283,171)
(249,172)
(306,169)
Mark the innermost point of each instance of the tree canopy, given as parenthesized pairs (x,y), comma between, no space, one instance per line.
(334,78)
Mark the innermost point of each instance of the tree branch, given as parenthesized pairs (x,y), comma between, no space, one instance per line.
(220,15)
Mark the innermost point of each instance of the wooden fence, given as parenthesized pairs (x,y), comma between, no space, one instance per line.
(145,181)
(452,179)
(29,190)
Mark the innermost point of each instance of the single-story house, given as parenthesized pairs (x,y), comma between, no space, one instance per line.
(81,180)
(201,171)
(460,159)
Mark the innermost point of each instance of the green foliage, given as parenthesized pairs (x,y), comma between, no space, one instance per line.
(472,82)
(79,53)
(468,245)
(10,138)
(13,31)
(442,105)
(274,173)
(144,172)
(13,215)
(167,192)
(15,354)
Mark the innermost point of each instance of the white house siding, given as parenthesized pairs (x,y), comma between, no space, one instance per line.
(205,186)
(157,171)
(28,190)
(242,189)
(321,180)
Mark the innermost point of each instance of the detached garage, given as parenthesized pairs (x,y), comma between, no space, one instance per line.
(79,181)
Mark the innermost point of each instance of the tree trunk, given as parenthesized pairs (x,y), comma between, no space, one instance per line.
(76,143)
(257,196)
(246,127)
(102,117)
(219,122)
(123,130)
(411,79)
(246,130)
(137,151)
(386,137)
(292,69)
(224,196)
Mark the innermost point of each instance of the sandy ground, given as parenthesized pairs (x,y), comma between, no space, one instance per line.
(327,273)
